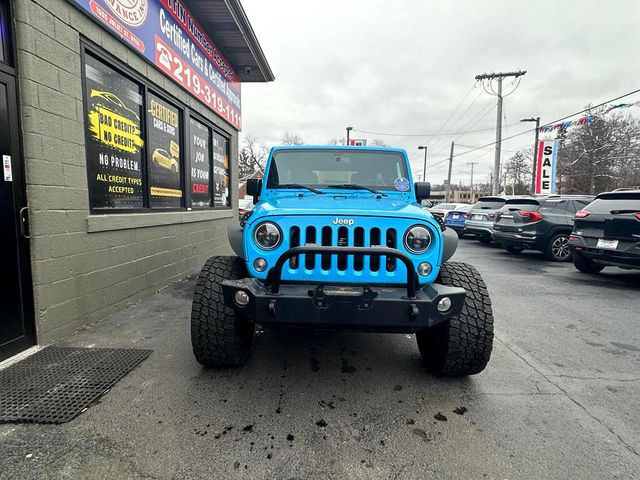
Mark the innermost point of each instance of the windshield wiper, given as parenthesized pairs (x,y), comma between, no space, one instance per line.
(299,185)
(355,186)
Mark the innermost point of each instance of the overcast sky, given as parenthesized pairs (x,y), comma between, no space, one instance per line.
(404,66)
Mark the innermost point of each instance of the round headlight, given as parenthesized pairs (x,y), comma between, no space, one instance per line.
(417,239)
(267,236)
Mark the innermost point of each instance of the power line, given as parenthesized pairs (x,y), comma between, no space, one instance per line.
(438,140)
(461,132)
(550,123)
(456,109)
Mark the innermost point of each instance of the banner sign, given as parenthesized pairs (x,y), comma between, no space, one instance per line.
(358,142)
(546,167)
(166,34)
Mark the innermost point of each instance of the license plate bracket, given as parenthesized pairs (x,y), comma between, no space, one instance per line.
(324,296)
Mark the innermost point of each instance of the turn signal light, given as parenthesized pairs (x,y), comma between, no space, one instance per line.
(582,213)
(532,216)
(638,216)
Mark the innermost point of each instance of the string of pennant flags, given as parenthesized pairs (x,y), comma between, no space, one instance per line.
(584,120)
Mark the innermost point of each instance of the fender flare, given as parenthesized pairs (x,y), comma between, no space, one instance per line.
(234,232)
(449,244)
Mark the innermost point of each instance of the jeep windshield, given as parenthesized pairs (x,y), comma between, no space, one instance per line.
(339,168)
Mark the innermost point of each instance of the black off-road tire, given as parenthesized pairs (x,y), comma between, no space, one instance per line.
(484,239)
(219,336)
(511,249)
(586,265)
(558,243)
(461,346)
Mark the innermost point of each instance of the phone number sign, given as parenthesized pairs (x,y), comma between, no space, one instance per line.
(166,33)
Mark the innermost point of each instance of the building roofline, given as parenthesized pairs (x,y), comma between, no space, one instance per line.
(240,16)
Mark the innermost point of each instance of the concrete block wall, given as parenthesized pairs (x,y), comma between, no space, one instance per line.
(84,269)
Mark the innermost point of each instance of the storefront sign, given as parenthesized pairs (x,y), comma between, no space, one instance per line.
(200,165)
(114,140)
(165,33)
(163,147)
(546,167)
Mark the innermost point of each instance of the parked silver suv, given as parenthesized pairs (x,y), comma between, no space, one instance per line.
(481,217)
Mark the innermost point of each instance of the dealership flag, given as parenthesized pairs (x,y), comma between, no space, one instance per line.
(546,167)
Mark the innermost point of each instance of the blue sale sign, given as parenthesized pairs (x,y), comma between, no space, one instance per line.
(166,34)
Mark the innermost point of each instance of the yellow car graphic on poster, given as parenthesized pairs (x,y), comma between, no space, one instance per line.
(162,159)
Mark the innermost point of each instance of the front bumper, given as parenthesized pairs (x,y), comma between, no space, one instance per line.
(343,307)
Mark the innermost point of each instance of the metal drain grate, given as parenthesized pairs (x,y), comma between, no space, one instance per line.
(56,384)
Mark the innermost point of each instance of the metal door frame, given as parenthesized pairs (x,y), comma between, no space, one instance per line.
(23,247)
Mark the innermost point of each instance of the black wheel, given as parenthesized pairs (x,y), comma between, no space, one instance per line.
(461,346)
(460,234)
(219,336)
(511,249)
(558,248)
(484,239)
(586,265)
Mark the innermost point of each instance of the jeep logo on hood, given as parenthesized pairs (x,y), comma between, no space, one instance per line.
(343,221)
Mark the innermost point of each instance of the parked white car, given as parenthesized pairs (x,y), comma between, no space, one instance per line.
(442,209)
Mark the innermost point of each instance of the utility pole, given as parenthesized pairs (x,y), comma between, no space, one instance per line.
(472,164)
(488,87)
(424,167)
(446,196)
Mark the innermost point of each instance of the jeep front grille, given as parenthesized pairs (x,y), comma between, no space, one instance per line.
(342,236)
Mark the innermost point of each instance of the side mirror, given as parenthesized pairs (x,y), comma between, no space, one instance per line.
(423,191)
(254,186)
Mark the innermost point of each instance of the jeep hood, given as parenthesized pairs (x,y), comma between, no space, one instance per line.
(340,205)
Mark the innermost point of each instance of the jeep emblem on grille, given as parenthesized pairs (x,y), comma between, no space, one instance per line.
(343,221)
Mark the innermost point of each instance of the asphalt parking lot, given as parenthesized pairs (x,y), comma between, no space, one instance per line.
(559,398)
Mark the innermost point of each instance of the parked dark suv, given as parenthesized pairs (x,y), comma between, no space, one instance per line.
(505,216)
(607,232)
(546,229)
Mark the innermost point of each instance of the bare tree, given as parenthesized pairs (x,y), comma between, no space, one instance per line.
(378,142)
(337,141)
(601,155)
(251,157)
(291,139)
(517,173)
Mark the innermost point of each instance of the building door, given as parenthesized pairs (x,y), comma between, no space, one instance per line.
(16,295)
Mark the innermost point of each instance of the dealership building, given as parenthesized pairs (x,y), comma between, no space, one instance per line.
(119,126)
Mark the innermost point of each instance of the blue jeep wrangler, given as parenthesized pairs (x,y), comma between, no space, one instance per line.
(338,240)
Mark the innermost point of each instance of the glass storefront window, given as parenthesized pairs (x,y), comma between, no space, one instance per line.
(114,138)
(164,153)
